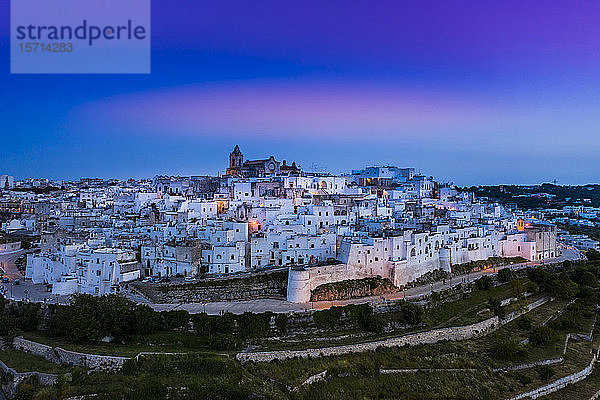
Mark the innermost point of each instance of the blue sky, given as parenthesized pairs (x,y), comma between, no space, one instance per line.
(473,92)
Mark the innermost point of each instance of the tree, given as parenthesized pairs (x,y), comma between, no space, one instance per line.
(524,323)
(497,308)
(545,372)
(563,287)
(483,283)
(175,319)
(143,320)
(542,335)
(281,321)
(592,255)
(506,347)
(516,287)
(505,275)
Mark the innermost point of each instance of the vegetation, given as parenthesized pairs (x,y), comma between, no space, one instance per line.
(459,370)
(539,196)
(24,362)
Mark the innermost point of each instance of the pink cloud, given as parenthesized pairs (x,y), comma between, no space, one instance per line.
(277,109)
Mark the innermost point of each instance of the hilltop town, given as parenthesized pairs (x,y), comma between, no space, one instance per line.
(268,269)
(382,221)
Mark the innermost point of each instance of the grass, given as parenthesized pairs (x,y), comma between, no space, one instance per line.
(161,342)
(359,381)
(581,390)
(25,362)
(464,311)
(353,375)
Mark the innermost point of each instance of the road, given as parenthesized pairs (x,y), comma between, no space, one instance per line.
(38,293)
(7,263)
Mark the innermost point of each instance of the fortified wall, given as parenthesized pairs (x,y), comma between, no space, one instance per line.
(301,281)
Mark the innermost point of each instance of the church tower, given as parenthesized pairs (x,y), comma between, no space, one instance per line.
(236,159)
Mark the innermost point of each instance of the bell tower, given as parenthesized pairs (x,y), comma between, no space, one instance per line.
(236,159)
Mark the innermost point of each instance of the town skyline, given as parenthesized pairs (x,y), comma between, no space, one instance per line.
(307,168)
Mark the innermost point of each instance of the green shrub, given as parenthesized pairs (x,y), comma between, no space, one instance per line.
(484,283)
(497,308)
(545,372)
(524,323)
(506,347)
(542,335)
(505,275)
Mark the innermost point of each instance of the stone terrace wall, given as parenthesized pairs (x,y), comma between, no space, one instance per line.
(456,333)
(560,383)
(265,285)
(10,379)
(61,356)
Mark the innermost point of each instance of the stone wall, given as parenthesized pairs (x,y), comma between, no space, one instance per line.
(10,379)
(560,383)
(350,289)
(267,285)
(61,356)
(456,333)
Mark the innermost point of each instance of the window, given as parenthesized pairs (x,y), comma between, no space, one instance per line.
(233,257)
(98,272)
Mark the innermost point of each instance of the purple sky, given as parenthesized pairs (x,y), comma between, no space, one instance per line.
(474,92)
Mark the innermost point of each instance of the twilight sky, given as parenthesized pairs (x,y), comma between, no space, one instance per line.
(477,92)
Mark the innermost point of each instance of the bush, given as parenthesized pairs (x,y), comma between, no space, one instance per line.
(592,255)
(522,378)
(225,342)
(545,372)
(484,283)
(281,321)
(571,320)
(497,308)
(524,323)
(506,347)
(505,275)
(542,335)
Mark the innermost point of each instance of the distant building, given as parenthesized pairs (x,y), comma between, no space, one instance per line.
(258,168)
(582,242)
(7,182)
